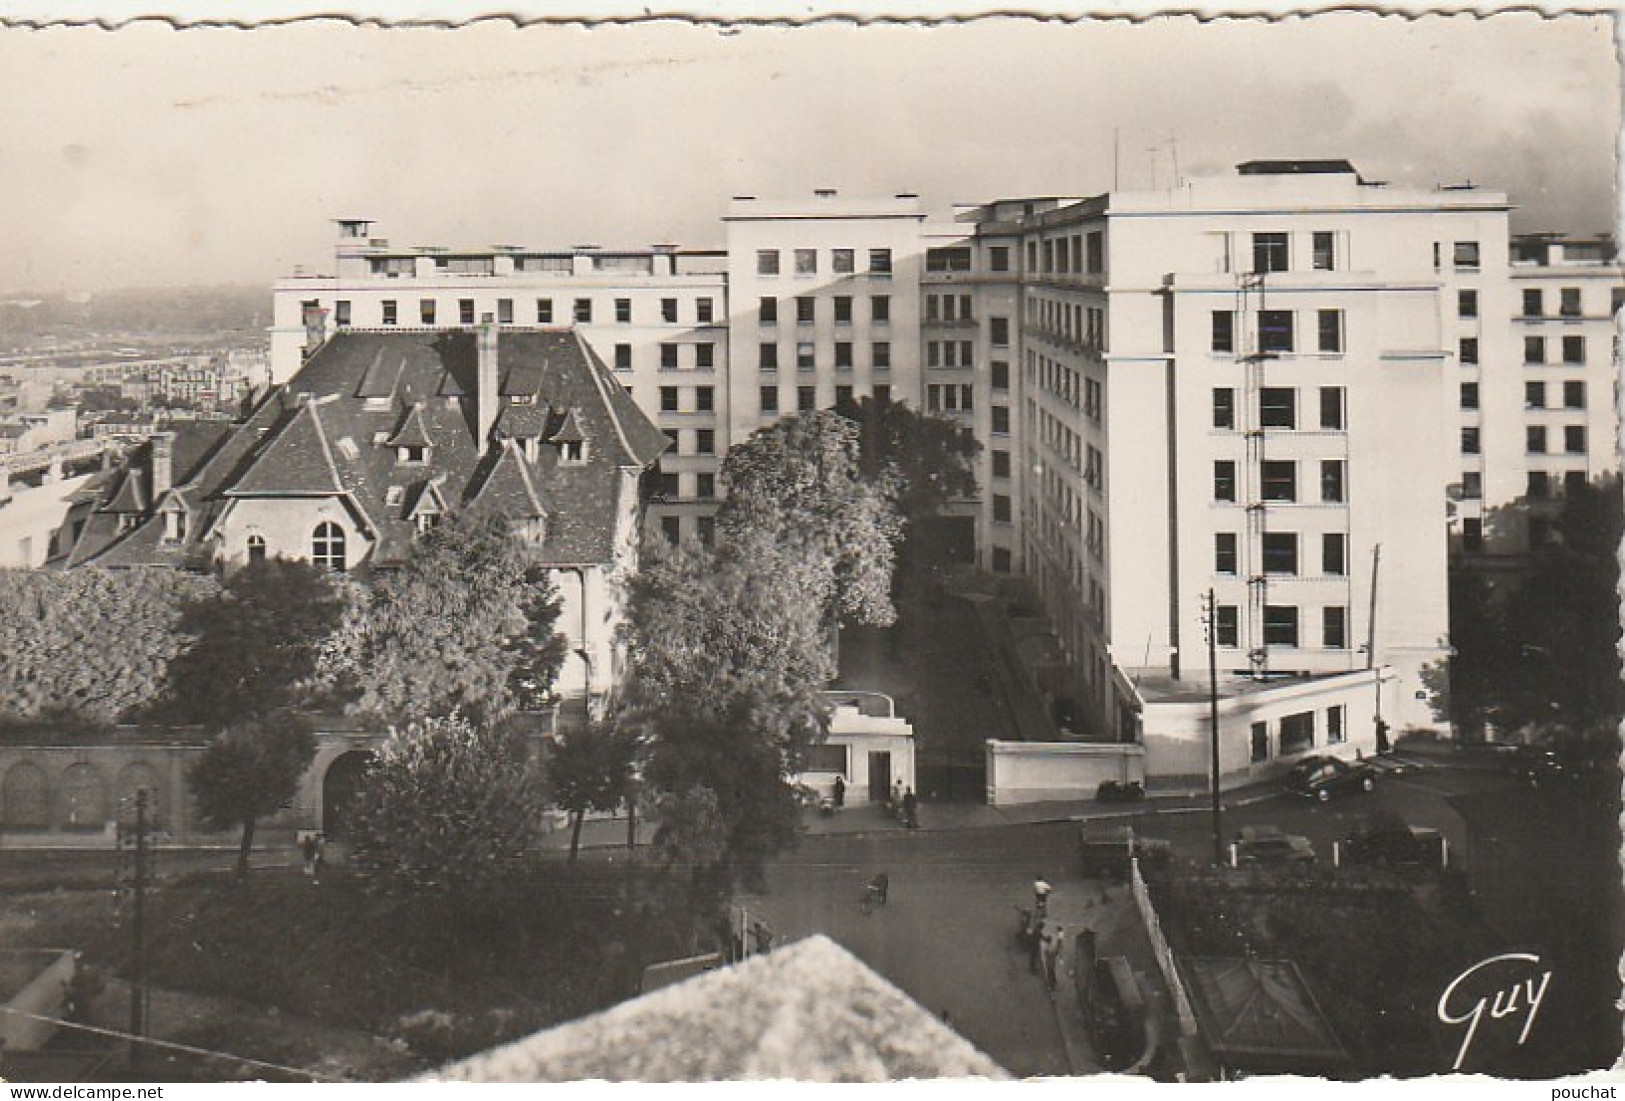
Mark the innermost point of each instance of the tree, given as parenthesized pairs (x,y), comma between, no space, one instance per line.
(447,805)
(925,459)
(466,624)
(799,483)
(251,769)
(591,769)
(252,654)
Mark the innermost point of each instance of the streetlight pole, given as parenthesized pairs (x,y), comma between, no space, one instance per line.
(1211,618)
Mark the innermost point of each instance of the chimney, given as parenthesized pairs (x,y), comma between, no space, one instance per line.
(315,319)
(163,464)
(485,394)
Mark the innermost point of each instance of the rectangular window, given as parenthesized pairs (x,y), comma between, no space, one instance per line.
(1280,552)
(623,357)
(1569,302)
(583,311)
(843,355)
(1472,534)
(1281,629)
(1224,552)
(998,258)
(1534,349)
(1574,394)
(1001,508)
(768,396)
(767,261)
(1535,439)
(768,357)
(704,311)
(1325,254)
(804,356)
(1334,553)
(1279,480)
(1331,480)
(341,313)
(767,311)
(806,309)
(623,310)
(880,308)
(947,259)
(1534,395)
(1574,350)
(1538,485)
(1259,740)
(1469,395)
(504,311)
(426,310)
(1465,255)
(1574,439)
(1278,407)
(705,441)
(1574,481)
(1466,303)
(1331,330)
(998,329)
(668,399)
(1334,632)
(1001,464)
(1224,331)
(1533,306)
(1469,440)
(1331,408)
(1224,407)
(806,261)
(1335,720)
(465,311)
(1275,330)
(1224,480)
(1001,420)
(1297,731)
(390,314)
(880,261)
(843,261)
(668,357)
(1271,252)
(704,399)
(1227,626)
(544,311)
(843,309)
(1096,245)
(1472,485)
(880,355)
(999,375)
(668,310)
(1468,353)
(806,398)
(705,485)
(672,528)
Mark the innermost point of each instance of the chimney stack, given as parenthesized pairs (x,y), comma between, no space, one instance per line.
(315,319)
(485,396)
(163,464)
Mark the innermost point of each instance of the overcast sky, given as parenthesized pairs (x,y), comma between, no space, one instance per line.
(149,156)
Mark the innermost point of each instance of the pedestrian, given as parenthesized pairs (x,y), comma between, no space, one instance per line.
(840,792)
(1035,945)
(762,935)
(307,845)
(1041,890)
(896,803)
(1054,944)
(320,860)
(911,809)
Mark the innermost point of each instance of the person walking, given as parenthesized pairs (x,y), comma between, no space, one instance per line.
(1041,893)
(1054,944)
(1035,945)
(307,847)
(840,792)
(911,810)
(320,860)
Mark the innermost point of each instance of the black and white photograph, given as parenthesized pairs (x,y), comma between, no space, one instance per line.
(670,550)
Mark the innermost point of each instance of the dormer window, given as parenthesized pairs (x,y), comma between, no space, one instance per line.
(412,454)
(572,452)
(174,526)
(127,521)
(394,495)
(427,522)
(521,399)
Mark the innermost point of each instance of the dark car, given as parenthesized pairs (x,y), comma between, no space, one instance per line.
(1322,777)
(1105,851)
(1533,764)
(1388,841)
(1267,845)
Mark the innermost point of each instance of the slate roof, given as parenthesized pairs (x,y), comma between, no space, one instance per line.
(1260,1015)
(334,431)
(809,1011)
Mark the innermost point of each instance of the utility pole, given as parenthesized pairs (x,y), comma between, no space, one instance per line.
(138,956)
(1371,655)
(1211,617)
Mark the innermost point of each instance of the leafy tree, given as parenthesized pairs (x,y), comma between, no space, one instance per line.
(799,483)
(448,804)
(924,458)
(253,651)
(591,769)
(467,624)
(251,769)
(118,626)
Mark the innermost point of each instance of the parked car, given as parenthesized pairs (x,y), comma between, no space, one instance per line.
(1268,845)
(1533,764)
(1388,841)
(1120,791)
(1105,850)
(1322,777)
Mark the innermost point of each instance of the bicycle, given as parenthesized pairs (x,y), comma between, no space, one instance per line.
(874,893)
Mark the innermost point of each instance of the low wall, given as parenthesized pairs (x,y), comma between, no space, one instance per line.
(42,993)
(1037,772)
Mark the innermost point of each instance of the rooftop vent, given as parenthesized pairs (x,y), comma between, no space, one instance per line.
(907,195)
(1295,168)
(744,198)
(825,192)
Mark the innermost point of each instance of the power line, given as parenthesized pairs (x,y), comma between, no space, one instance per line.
(187,1048)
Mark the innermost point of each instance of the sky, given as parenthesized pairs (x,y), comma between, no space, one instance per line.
(149,156)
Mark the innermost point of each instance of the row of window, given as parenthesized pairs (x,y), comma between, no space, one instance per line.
(704,400)
(1568,304)
(950,353)
(671,357)
(1068,321)
(1536,395)
(668,485)
(807,398)
(1279,553)
(1278,408)
(1278,481)
(1297,733)
(842,261)
(1536,440)
(1534,351)
(1272,251)
(806,306)
(1277,331)
(1281,626)
(1073,387)
(1076,254)
(950,398)
(582,311)
(807,355)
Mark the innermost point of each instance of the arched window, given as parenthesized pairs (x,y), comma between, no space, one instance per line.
(84,798)
(256,548)
(23,802)
(327,546)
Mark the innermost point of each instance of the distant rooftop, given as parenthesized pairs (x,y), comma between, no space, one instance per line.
(1295,168)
